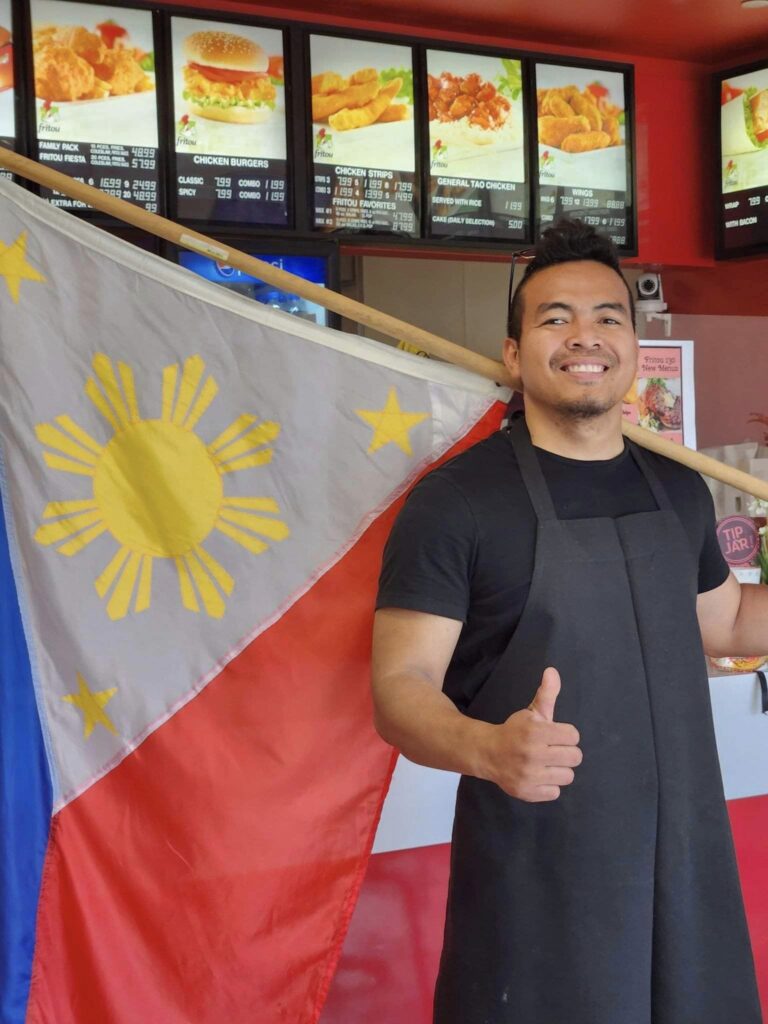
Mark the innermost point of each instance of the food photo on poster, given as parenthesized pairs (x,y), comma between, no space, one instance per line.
(476,146)
(662,398)
(744,158)
(95,100)
(363,137)
(582,147)
(229,122)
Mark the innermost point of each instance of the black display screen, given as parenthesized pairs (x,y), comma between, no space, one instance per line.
(583,144)
(229,122)
(477,146)
(743,191)
(363,136)
(95,98)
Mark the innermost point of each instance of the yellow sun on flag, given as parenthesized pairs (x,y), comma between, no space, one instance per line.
(158,488)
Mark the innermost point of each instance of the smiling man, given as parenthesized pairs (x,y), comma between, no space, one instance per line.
(545,602)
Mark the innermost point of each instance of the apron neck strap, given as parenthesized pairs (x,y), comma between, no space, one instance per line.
(658,489)
(533,478)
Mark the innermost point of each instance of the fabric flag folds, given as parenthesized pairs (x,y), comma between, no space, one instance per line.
(196,490)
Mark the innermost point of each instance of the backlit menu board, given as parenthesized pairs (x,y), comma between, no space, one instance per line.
(582,148)
(744,161)
(95,105)
(229,115)
(363,140)
(7,118)
(477,182)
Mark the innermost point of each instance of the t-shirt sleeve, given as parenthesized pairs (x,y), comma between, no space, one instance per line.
(429,557)
(713,568)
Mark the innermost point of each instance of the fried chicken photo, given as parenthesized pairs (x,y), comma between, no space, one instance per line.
(73,63)
(453,97)
(61,75)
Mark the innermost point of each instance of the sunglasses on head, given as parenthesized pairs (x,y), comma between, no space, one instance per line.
(523,254)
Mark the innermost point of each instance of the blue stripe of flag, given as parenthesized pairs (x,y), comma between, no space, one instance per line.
(25,801)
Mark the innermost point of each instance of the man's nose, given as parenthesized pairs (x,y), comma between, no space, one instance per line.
(582,335)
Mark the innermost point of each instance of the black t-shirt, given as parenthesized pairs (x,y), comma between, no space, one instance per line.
(463,544)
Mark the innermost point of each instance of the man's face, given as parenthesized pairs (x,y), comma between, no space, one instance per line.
(577,354)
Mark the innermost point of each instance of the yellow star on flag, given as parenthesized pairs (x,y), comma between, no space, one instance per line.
(92,705)
(14,267)
(390,424)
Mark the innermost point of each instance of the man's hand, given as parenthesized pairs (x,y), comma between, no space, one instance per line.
(531,756)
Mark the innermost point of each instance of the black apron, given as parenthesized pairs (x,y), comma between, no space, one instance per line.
(618,903)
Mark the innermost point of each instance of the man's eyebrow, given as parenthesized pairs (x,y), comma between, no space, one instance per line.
(619,307)
(547,307)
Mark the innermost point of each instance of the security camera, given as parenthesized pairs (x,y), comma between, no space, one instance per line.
(650,297)
(649,287)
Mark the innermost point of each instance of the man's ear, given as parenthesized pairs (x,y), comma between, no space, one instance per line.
(510,354)
(511,358)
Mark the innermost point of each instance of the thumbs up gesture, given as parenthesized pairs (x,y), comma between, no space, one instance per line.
(531,756)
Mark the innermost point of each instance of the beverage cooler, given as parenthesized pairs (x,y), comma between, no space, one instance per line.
(315,261)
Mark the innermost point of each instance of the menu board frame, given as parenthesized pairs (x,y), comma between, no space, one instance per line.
(628,73)
(753,248)
(307,31)
(30,113)
(289,64)
(445,46)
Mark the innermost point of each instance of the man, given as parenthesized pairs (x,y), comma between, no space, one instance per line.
(545,603)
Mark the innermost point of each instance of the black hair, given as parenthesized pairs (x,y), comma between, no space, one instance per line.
(568,240)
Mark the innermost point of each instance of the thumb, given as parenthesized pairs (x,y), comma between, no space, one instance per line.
(543,704)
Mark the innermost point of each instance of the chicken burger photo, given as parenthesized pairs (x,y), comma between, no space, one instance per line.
(227,78)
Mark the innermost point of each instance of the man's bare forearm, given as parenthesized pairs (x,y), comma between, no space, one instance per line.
(416,717)
(750,629)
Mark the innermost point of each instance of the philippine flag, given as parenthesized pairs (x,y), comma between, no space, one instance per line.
(196,491)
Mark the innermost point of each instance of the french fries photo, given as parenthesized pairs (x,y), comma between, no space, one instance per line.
(358,101)
(578,121)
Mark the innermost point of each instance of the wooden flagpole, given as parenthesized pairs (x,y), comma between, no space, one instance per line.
(391,326)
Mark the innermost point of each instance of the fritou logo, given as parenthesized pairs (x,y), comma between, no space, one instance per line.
(50,115)
(186,130)
(323,143)
(439,149)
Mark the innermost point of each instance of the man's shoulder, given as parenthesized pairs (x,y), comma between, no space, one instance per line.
(681,481)
(486,467)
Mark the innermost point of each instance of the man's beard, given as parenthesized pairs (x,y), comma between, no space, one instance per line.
(583,409)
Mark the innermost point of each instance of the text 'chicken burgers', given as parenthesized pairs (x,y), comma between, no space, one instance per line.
(227,78)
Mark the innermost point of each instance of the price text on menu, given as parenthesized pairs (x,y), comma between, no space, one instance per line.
(605,209)
(745,217)
(364,199)
(229,188)
(127,172)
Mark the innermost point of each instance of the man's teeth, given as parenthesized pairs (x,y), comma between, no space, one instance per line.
(586,368)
